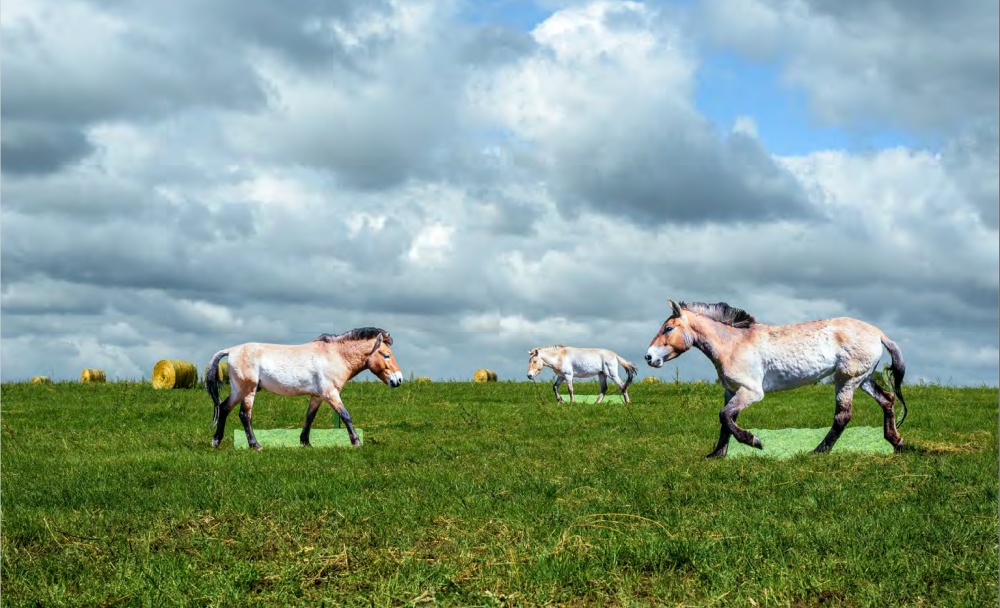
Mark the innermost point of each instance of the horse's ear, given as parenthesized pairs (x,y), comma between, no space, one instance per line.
(378,342)
(533,352)
(675,310)
(388,339)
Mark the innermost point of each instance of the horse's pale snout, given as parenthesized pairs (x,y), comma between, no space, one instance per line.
(395,379)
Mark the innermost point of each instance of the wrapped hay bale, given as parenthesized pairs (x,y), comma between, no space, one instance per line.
(174,373)
(93,375)
(423,380)
(41,380)
(650,380)
(484,375)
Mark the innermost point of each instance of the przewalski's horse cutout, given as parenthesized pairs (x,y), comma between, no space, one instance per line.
(569,362)
(753,358)
(319,369)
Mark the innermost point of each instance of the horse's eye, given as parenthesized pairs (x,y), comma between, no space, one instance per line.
(668,329)
(386,356)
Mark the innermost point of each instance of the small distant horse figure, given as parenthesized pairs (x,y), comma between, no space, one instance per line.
(319,369)
(569,362)
(753,358)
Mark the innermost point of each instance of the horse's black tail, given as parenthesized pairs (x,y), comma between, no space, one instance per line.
(630,370)
(212,383)
(898,371)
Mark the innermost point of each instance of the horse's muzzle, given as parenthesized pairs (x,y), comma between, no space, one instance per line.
(395,379)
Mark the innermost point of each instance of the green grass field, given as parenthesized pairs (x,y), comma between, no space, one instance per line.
(491,494)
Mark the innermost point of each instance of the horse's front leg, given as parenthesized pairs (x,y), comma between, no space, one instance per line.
(743,398)
(555,388)
(569,386)
(246,413)
(334,399)
(723,445)
(314,403)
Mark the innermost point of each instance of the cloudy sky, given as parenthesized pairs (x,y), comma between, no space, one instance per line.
(480,178)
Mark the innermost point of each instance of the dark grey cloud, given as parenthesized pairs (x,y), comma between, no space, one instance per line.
(687,175)
(32,149)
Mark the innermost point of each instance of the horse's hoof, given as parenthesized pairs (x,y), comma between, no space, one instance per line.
(757,444)
(715,455)
(898,447)
(306,444)
(215,443)
(258,447)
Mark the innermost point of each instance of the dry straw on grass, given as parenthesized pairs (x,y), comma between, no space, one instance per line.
(651,380)
(93,375)
(484,375)
(174,373)
(423,380)
(41,380)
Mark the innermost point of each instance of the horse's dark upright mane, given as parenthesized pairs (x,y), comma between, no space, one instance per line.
(722,312)
(360,333)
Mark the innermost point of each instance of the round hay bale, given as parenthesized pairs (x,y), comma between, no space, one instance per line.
(423,380)
(41,380)
(223,372)
(174,373)
(93,375)
(651,380)
(484,375)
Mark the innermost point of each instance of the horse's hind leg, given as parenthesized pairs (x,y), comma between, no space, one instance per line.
(603,379)
(723,446)
(314,403)
(246,412)
(569,387)
(226,407)
(621,385)
(887,400)
(845,410)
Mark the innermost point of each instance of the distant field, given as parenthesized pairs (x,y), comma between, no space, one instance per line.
(488,495)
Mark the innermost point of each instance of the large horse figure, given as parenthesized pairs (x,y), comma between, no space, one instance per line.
(753,358)
(319,369)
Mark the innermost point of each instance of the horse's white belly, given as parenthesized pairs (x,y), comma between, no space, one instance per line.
(289,378)
(792,371)
(588,365)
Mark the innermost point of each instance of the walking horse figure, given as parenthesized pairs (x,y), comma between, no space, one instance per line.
(569,362)
(319,369)
(753,358)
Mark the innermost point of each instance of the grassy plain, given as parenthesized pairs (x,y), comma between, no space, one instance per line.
(488,495)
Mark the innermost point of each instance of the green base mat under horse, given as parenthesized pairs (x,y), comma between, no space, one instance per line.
(593,399)
(289,438)
(785,443)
